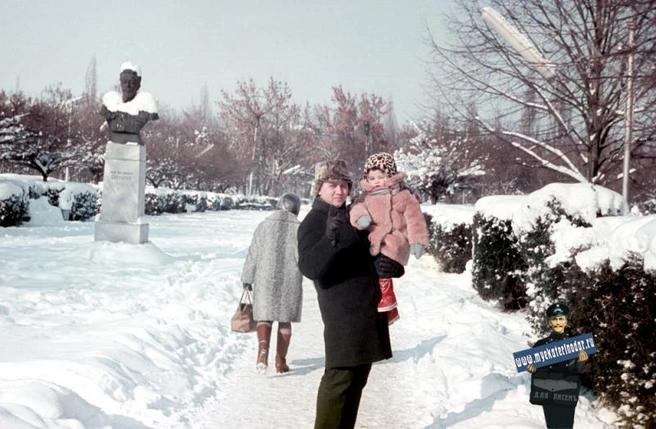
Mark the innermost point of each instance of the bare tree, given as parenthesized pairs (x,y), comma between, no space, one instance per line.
(572,123)
(266,132)
(355,127)
(47,146)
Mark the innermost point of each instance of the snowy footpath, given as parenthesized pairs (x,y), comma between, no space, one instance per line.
(99,335)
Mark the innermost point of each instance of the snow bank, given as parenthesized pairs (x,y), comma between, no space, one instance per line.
(501,206)
(449,215)
(67,195)
(7,189)
(35,404)
(578,199)
(24,183)
(612,237)
(123,254)
(42,213)
(616,238)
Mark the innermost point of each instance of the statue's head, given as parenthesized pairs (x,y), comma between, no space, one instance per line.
(130,80)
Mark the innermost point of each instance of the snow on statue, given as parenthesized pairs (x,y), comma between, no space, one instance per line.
(127,113)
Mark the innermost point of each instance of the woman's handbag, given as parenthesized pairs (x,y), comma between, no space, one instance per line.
(242,321)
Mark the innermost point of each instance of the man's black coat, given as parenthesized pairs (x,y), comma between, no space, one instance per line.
(355,333)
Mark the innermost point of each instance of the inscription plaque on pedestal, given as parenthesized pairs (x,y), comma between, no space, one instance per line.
(123,195)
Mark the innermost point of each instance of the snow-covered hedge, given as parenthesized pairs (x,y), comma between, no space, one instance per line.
(13,204)
(449,228)
(576,243)
(515,254)
(497,264)
(256,203)
(618,304)
(78,200)
(163,200)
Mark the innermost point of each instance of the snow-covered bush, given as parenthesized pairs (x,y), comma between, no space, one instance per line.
(15,192)
(217,202)
(648,205)
(79,200)
(619,307)
(164,201)
(174,202)
(154,204)
(554,227)
(13,204)
(451,247)
(222,202)
(256,202)
(84,206)
(576,246)
(195,201)
(498,266)
(450,234)
(52,194)
(544,277)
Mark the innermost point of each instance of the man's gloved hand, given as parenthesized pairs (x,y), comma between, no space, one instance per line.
(363,222)
(388,268)
(338,228)
(417,250)
(248,286)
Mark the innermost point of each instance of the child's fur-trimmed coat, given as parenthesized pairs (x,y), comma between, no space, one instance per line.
(396,218)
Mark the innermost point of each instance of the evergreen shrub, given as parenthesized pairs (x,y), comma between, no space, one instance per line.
(174,202)
(498,266)
(546,282)
(84,206)
(198,201)
(226,203)
(13,209)
(217,202)
(619,308)
(450,245)
(154,204)
(52,194)
(256,203)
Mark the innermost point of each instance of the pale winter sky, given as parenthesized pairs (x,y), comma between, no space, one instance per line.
(373,46)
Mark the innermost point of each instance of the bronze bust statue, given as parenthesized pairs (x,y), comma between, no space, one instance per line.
(127,113)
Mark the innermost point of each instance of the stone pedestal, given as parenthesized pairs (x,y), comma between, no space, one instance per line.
(123,195)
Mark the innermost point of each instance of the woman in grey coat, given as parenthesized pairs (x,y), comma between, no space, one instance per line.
(271,271)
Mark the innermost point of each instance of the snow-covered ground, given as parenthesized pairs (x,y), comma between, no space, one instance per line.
(100,335)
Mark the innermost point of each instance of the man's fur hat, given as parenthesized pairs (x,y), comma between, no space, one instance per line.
(329,171)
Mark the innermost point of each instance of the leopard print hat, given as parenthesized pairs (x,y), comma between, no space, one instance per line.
(382,161)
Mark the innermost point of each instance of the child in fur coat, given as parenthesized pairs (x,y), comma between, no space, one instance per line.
(393,217)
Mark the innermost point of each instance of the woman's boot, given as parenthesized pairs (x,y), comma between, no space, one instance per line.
(263,339)
(284,338)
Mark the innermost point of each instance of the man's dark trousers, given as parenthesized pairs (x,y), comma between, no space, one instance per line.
(339,396)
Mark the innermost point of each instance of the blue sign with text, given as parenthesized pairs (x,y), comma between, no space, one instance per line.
(558,351)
